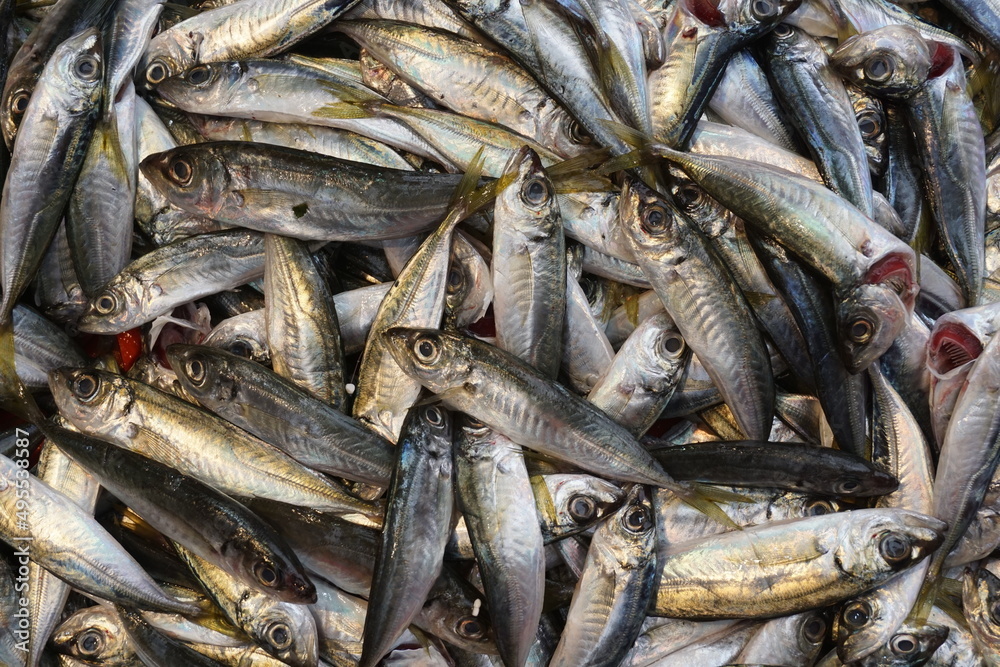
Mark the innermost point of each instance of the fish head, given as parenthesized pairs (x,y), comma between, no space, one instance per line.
(169,53)
(204,372)
(888,541)
(430,426)
(711,217)
(572,503)
(566,136)
(981,600)
(76,67)
(910,645)
(456,612)
(91,399)
(203,84)
(860,625)
(94,635)
(652,224)
(288,632)
(631,532)
(891,62)
(754,17)
(787,41)
(439,360)
(196,182)
(469,286)
(111,310)
(273,573)
(870,115)
(80,64)
(529,202)
(869,318)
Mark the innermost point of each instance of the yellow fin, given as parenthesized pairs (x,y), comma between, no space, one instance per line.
(344,111)
(14,396)
(698,501)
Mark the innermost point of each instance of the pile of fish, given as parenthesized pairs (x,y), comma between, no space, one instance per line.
(481,332)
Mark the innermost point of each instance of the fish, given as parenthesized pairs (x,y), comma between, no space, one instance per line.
(872,545)
(59,122)
(411,550)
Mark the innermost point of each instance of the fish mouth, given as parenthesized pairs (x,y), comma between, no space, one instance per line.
(926,533)
(952,345)
(895,271)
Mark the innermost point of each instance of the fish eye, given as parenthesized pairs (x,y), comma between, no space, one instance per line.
(869,126)
(782,30)
(278,635)
(582,508)
(195,370)
(637,519)
(861,331)
(895,548)
(426,349)
(241,348)
(673,345)
(857,614)
(654,219)
(814,630)
(19,103)
(198,75)
(819,508)
(879,68)
(156,72)
(848,486)
(90,643)
(87,68)
(535,192)
(85,386)
(180,171)
(456,278)
(689,196)
(578,134)
(763,9)
(265,573)
(474,424)
(434,416)
(470,628)
(904,645)
(106,303)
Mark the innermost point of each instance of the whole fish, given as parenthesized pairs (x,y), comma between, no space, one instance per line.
(59,122)
(234,31)
(929,80)
(418,516)
(303,334)
(793,563)
(299,194)
(617,583)
(872,272)
(175,274)
(281,413)
(194,442)
(234,538)
(688,276)
(55,527)
(512,398)
(287,631)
